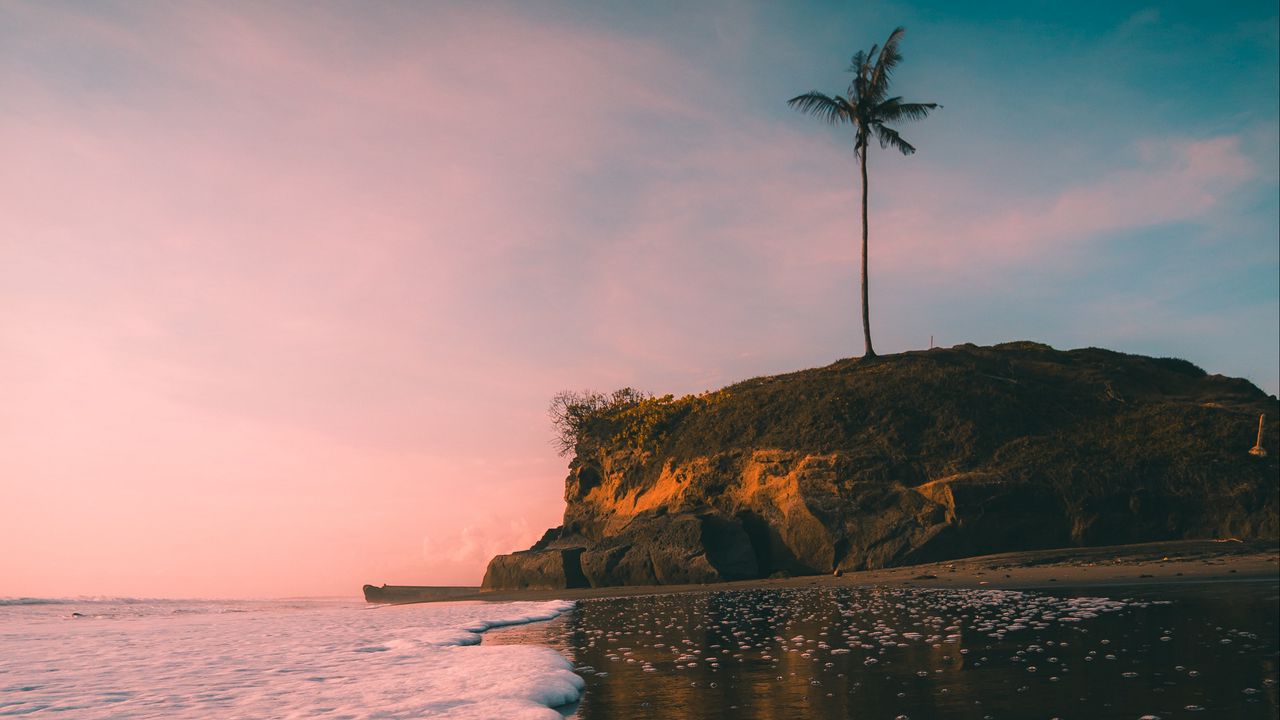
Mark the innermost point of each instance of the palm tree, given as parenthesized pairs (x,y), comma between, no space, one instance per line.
(867,106)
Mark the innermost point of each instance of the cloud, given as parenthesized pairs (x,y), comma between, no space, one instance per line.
(317,273)
(750,247)
(288,206)
(1138,20)
(474,544)
(1168,180)
(267,230)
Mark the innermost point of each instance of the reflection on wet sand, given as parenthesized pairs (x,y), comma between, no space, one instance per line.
(922,653)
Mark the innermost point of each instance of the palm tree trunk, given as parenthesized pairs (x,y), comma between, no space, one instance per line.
(866,312)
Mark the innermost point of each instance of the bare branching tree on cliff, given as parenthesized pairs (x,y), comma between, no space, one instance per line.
(867,106)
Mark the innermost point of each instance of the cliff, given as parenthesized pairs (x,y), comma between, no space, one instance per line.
(909,458)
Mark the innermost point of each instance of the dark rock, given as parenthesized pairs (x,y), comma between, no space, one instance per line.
(672,549)
(413,593)
(549,537)
(535,570)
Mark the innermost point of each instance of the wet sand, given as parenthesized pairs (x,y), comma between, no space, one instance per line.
(1158,563)
(1172,650)
(1172,629)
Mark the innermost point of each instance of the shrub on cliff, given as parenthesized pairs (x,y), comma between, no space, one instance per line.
(577,416)
(624,418)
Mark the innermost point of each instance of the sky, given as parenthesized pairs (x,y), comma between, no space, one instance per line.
(286,288)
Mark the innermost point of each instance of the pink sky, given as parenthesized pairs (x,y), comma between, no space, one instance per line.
(283,300)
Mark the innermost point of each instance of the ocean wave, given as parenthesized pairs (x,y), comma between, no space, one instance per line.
(319,658)
(97,600)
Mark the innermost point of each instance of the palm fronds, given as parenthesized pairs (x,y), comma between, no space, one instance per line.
(894,109)
(887,60)
(889,137)
(832,109)
(866,103)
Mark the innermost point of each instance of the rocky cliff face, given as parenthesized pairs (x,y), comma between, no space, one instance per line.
(915,457)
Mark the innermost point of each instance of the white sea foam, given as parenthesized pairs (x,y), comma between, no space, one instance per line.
(123,658)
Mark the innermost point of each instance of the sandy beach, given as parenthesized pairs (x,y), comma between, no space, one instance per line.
(1158,563)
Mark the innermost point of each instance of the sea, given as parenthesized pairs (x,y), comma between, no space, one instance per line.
(1205,650)
(122,658)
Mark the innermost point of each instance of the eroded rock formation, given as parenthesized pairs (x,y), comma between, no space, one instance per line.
(914,457)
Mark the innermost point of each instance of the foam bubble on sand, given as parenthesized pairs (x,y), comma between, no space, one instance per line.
(282,660)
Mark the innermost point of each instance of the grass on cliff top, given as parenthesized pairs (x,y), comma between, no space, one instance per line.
(926,413)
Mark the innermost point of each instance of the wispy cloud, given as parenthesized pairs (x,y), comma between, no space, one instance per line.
(1168,180)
